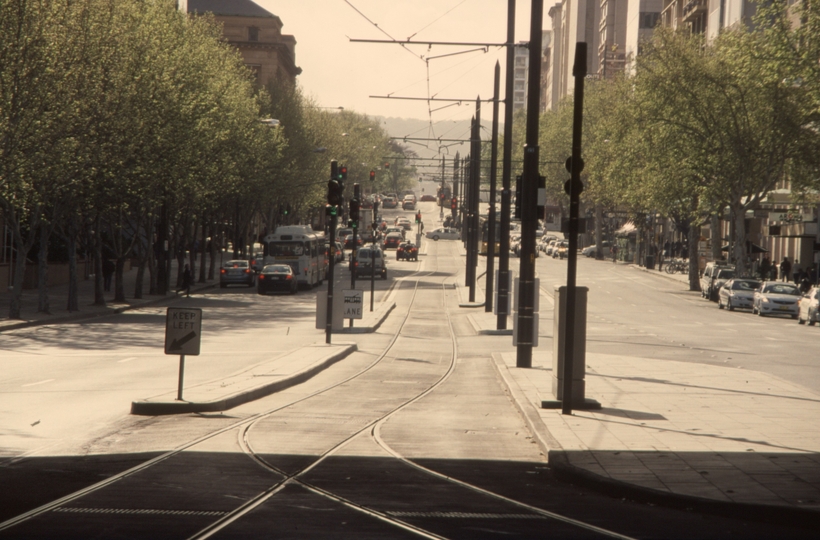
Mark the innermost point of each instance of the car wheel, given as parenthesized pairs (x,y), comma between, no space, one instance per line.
(796,317)
(759,313)
(223,285)
(720,305)
(260,291)
(435,238)
(799,320)
(729,305)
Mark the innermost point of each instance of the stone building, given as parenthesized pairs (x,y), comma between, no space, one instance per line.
(257,34)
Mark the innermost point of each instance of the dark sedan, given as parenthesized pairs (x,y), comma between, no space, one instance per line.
(277,278)
(407,251)
(237,272)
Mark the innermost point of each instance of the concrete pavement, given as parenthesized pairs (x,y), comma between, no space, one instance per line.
(688,433)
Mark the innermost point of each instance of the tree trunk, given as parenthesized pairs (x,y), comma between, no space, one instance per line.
(99,295)
(42,271)
(739,215)
(212,248)
(119,286)
(694,269)
(717,241)
(599,237)
(203,246)
(194,249)
(71,246)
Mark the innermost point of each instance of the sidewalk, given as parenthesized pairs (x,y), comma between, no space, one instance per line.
(58,301)
(688,434)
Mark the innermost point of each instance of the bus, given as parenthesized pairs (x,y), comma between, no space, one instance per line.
(483,227)
(299,247)
(443,196)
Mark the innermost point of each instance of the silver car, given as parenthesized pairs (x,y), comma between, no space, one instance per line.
(810,307)
(776,298)
(737,293)
(444,233)
(237,272)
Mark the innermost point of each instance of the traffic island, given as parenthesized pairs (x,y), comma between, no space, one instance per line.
(250,384)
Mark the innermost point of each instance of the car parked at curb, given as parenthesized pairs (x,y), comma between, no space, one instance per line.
(714,276)
(237,272)
(776,298)
(738,293)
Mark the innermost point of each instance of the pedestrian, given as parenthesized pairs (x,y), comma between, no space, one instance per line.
(796,272)
(785,269)
(614,251)
(108,268)
(187,280)
(765,267)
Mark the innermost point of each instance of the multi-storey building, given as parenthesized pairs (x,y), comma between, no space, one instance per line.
(257,34)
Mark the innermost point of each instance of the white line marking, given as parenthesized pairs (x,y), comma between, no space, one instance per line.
(36,383)
(126,360)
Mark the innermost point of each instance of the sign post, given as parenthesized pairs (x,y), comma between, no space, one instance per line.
(183,332)
(353,302)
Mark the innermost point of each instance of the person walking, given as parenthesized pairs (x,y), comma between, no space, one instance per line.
(765,267)
(614,250)
(108,268)
(187,280)
(785,269)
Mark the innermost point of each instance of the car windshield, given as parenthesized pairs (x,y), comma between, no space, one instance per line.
(366,254)
(725,274)
(276,269)
(745,285)
(781,288)
(236,264)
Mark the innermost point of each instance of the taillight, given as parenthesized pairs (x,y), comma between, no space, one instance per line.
(288,277)
(222,271)
(247,270)
(261,276)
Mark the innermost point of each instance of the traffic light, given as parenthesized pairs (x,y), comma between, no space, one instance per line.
(454,203)
(387,166)
(335,194)
(354,212)
(418,217)
(343,173)
(330,210)
(372,176)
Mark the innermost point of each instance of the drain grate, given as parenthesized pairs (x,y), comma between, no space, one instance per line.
(465,515)
(137,511)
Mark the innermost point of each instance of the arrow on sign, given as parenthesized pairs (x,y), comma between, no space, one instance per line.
(178,343)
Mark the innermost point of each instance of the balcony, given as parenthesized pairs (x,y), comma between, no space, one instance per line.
(694,9)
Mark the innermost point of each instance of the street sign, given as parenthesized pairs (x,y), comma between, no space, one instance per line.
(353,302)
(183,331)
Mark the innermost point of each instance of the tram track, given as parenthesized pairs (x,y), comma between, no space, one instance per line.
(370,430)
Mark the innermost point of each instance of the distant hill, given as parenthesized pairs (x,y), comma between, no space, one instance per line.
(420,129)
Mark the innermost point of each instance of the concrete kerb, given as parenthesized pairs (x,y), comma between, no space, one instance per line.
(560,464)
(159,408)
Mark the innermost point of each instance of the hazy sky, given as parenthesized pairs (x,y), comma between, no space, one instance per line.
(338,73)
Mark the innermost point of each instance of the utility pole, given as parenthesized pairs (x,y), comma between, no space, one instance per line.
(574,187)
(504,303)
(472,215)
(333,194)
(529,204)
(491,222)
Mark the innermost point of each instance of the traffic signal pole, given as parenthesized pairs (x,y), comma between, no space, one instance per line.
(491,224)
(529,213)
(504,304)
(333,193)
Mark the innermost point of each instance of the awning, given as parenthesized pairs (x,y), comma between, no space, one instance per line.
(750,248)
(627,229)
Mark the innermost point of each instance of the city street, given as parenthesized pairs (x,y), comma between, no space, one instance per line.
(414,434)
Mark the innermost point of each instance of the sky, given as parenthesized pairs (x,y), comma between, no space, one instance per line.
(339,73)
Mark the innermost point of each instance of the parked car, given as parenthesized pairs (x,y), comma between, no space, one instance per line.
(776,298)
(370,261)
(237,272)
(543,243)
(809,307)
(551,245)
(277,278)
(407,251)
(393,240)
(589,251)
(443,233)
(714,276)
(737,293)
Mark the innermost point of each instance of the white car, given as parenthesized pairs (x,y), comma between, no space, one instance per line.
(737,293)
(776,298)
(809,307)
(443,233)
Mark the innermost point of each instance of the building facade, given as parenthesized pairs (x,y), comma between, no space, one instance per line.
(257,34)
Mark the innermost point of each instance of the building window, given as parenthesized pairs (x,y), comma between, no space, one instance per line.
(253,33)
(649,19)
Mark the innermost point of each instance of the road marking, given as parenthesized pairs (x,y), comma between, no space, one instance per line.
(126,359)
(36,383)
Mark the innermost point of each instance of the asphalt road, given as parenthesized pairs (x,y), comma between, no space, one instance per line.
(412,435)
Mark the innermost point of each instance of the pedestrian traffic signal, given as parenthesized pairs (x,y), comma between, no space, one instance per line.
(454,203)
(354,211)
(372,176)
(330,210)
